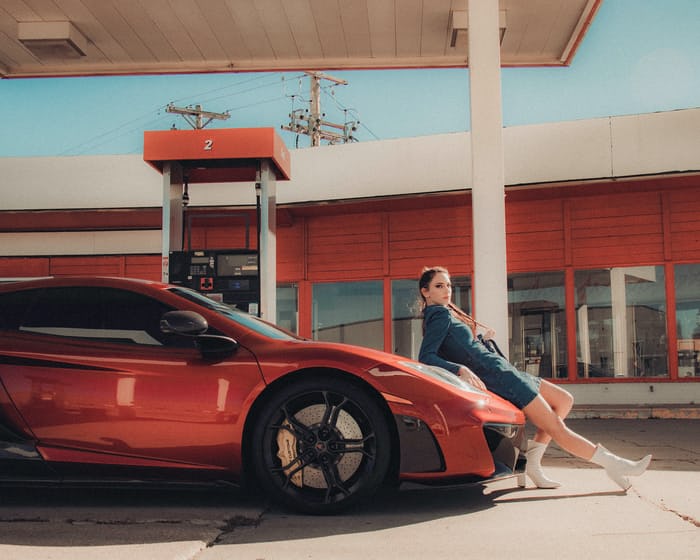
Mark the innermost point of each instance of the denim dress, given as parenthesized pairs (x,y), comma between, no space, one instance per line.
(449,343)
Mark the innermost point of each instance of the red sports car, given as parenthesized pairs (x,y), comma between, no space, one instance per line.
(118,380)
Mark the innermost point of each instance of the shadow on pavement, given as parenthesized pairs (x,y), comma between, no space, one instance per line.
(63,517)
(100,517)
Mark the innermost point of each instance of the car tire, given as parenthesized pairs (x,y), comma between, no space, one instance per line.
(321,445)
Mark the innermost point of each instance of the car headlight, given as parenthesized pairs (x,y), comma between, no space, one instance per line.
(443,375)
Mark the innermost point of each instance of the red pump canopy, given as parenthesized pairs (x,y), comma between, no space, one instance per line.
(218,155)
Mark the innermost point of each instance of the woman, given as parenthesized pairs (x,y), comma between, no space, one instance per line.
(449,342)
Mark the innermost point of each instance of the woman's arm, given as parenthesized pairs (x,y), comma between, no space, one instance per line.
(437,324)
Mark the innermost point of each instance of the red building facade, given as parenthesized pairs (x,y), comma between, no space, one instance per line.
(603,277)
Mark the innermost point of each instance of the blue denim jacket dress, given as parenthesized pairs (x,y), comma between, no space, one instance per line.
(449,343)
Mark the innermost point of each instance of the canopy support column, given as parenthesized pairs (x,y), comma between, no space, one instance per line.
(488,191)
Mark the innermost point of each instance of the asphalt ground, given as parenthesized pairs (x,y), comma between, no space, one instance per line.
(587,517)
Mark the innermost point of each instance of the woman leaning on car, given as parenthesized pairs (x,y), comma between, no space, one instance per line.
(449,342)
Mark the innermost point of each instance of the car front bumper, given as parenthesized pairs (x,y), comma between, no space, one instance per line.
(496,450)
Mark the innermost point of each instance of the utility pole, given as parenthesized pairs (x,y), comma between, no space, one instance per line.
(315,120)
(194,115)
(311,121)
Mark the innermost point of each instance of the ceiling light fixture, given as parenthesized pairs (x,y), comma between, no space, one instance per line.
(52,40)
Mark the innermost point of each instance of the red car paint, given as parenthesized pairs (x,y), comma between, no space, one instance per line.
(124,401)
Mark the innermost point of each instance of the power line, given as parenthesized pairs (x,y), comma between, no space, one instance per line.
(351,111)
(91,141)
(201,95)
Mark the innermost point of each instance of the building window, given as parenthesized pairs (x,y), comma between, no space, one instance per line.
(536,308)
(407,314)
(687,286)
(621,322)
(461,292)
(349,312)
(406,321)
(288,307)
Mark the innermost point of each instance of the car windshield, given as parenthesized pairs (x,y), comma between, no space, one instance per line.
(250,321)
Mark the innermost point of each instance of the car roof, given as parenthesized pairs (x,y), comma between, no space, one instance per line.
(57,281)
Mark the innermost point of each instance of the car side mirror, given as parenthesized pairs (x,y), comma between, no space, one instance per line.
(215,348)
(188,323)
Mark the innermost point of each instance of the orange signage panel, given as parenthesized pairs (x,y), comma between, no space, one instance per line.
(218,155)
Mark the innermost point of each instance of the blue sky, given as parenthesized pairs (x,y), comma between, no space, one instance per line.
(639,56)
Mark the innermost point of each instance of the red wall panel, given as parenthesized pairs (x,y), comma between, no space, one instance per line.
(143,266)
(23,267)
(344,247)
(535,238)
(430,237)
(290,252)
(87,265)
(617,230)
(547,229)
(685,224)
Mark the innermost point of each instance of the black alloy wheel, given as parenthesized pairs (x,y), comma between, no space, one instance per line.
(321,445)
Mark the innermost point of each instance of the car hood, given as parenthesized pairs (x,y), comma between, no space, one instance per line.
(384,371)
(305,353)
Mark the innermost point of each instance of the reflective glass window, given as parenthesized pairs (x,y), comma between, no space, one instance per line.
(349,312)
(687,286)
(406,321)
(621,322)
(287,307)
(537,318)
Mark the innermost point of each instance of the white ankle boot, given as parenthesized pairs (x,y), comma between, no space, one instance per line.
(617,468)
(533,469)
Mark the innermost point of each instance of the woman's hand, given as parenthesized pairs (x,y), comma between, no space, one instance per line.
(467,375)
(489,334)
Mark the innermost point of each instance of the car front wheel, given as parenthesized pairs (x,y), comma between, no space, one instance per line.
(321,445)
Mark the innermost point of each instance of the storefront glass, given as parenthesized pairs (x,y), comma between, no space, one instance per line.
(537,319)
(406,321)
(287,307)
(349,312)
(687,285)
(621,322)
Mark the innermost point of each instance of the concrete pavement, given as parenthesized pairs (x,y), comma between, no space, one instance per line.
(586,517)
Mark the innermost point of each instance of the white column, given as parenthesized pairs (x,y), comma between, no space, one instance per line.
(172,227)
(488,193)
(268,243)
(618,298)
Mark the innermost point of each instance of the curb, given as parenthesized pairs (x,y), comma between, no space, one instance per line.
(641,412)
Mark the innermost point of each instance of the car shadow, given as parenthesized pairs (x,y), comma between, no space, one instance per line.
(59,517)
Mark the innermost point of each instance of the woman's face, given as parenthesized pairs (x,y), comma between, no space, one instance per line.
(439,291)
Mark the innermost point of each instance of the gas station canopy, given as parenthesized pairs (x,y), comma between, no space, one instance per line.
(112,37)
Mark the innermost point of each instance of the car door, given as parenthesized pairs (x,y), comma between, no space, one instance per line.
(96,381)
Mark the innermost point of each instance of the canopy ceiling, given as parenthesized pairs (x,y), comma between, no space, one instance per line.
(98,37)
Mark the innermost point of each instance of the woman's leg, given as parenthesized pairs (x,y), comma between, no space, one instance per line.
(551,426)
(618,469)
(547,412)
(559,400)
